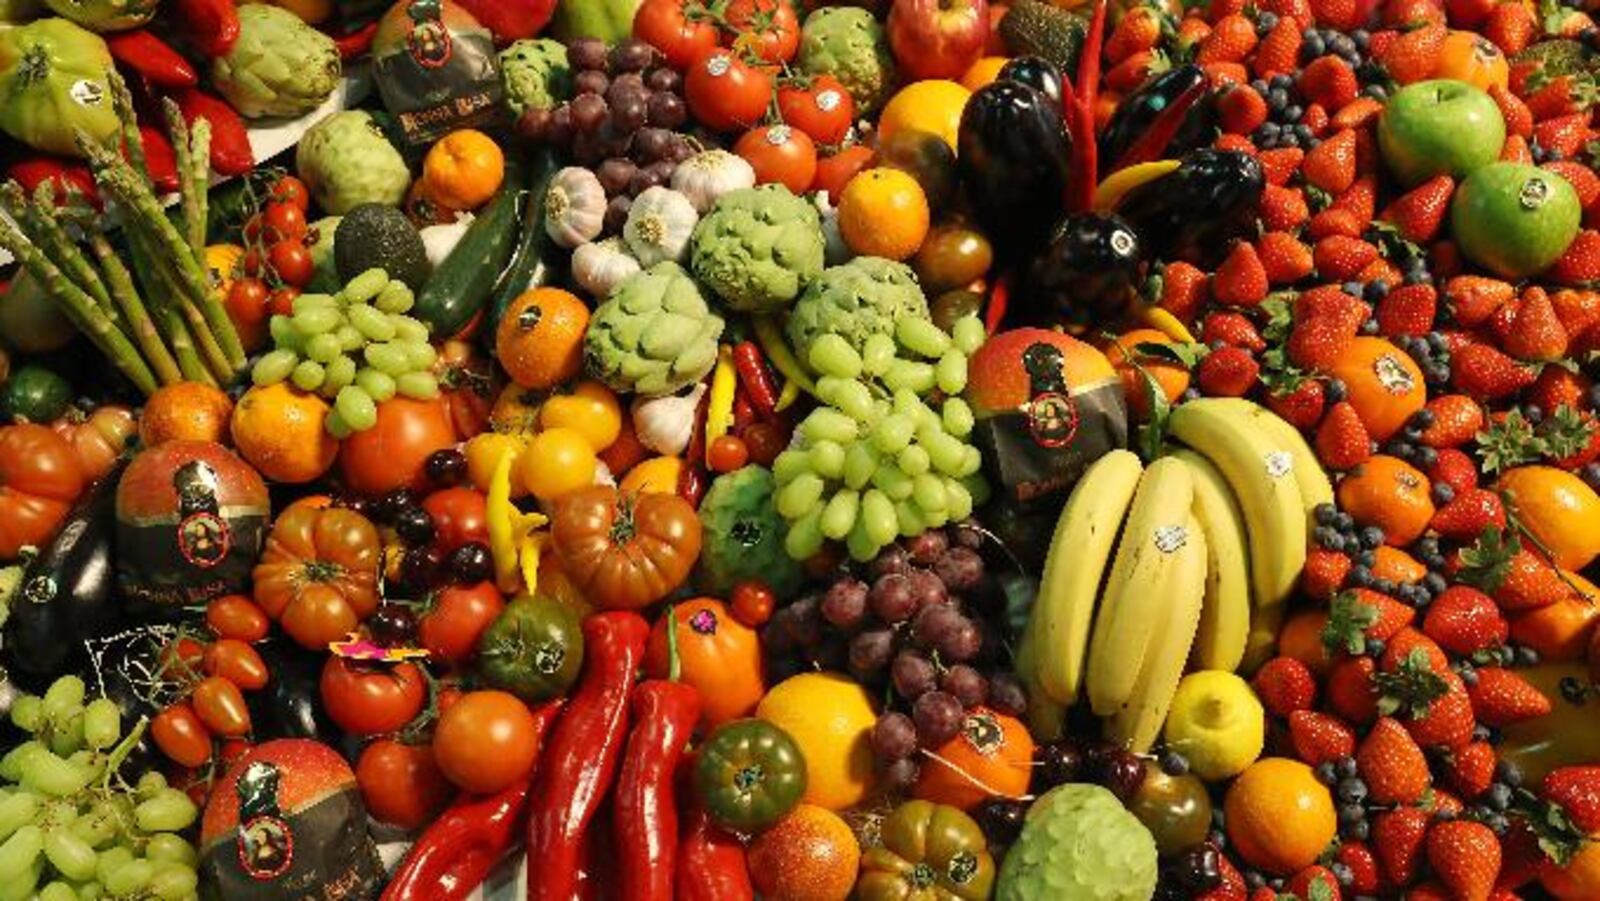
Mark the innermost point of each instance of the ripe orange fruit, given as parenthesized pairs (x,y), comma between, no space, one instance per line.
(187,411)
(1559,631)
(483,452)
(1470,57)
(1394,565)
(1384,383)
(809,855)
(992,750)
(463,170)
(1579,880)
(540,338)
(883,213)
(830,717)
(1561,511)
(278,430)
(659,474)
(1279,817)
(983,72)
(933,105)
(1171,376)
(588,408)
(1391,494)
(557,462)
(1301,638)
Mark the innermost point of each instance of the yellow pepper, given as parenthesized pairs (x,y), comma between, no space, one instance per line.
(512,533)
(778,353)
(787,396)
(719,408)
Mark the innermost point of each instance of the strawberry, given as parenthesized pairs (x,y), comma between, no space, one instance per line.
(1356,113)
(1465,855)
(1361,197)
(1285,685)
(1578,310)
(1131,72)
(1585,429)
(1329,82)
(1231,888)
(1315,117)
(1559,387)
(1419,212)
(1265,893)
(1284,259)
(1565,135)
(1232,328)
(1339,257)
(1470,769)
(1363,866)
(1282,209)
(1392,765)
(1537,334)
(1228,372)
(1331,303)
(1183,289)
(1517,578)
(1521,858)
(1561,95)
(1341,14)
(1577,790)
(1454,468)
(1474,298)
(1410,15)
(1241,110)
(1217,9)
(1581,177)
(1315,883)
(1397,838)
(1139,29)
(1433,700)
(1232,38)
(1280,163)
(1296,11)
(1318,343)
(1241,280)
(1221,75)
(1467,514)
(1580,263)
(1500,324)
(1500,697)
(1324,574)
(1351,691)
(1485,373)
(1519,119)
(1279,52)
(1331,165)
(1342,439)
(1511,26)
(1301,406)
(1335,221)
(1416,653)
(1516,150)
(1407,310)
(1464,620)
(1415,55)
(1192,30)
(1457,419)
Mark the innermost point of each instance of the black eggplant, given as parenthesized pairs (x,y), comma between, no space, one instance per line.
(1090,273)
(290,707)
(1194,212)
(1014,155)
(66,592)
(1140,109)
(1036,72)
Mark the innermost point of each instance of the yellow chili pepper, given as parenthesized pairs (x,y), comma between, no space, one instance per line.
(498,512)
(719,408)
(787,396)
(778,353)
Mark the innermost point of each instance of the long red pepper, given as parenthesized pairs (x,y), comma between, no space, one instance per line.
(999,300)
(743,412)
(212,26)
(153,58)
(751,365)
(1077,107)
(68,176)
(584,750)
(355,43)
(645,809)
(230,140)
(692,480)
(456,852)
(1153,143)
(159,158)
(711,864)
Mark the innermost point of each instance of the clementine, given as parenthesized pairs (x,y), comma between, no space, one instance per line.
(187,411)
(278,429)
(991,755)
(1391,494)
(1133,363)
(463,169)
(1385,385)
(540,338)
(1279,817)
(1558,508)
(883,213)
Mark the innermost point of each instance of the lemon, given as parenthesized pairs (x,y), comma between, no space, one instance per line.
(933,106)
(1216,722)
(830,718)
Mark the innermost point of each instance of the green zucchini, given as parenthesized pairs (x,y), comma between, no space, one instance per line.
(531,265)
(462,284)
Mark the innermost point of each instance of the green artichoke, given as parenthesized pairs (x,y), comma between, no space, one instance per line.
(279,66)
(758,247)
(346,161)
(105,15)
(744,536)
(536,75)
(857,299)
(849,44)
(653,335)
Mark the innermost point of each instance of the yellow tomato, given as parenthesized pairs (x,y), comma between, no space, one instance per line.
(483,453)
(556,462)
(658,474)
(590,409)
(933,106)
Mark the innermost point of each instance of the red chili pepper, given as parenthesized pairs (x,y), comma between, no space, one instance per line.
(584,750)
(1153,143)
(711,863)
(645,810)
(457,851)
(999,300)
(753,375)
(1088,80)
(743,412)
(1078,112)
(153,58)
(355,43)
(230,141)
(159,158)
(212,26)
(692,481)
(68,176)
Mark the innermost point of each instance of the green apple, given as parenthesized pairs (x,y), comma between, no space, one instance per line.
(1514,219)
(1439,127)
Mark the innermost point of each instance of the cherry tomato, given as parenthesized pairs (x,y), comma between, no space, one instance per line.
(220,705)
(292,261)
(834,172)
(753,603)
(366,699)
(283,222)
(780,154)
(254,262)
(281,301)
(458,517)
(181,736)
(447,696)
(727,453)
(764,441)
(236,616)
(485,741)
(237,662)
(681,29)
(450,631)
(769,27)
(247,297)
(725,93)
(231,749)
(183,657)
(819,106)
(292,191)
(401,784)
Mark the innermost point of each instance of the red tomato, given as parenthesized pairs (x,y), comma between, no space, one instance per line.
(231,749)
(281,303)
(834,172)
(181,736)
(819,106)
(363,699)
(753,603)
(254,262)
(247,303)
(401,784)
(291,190)
(40,477)
(769,27)
(236,616)
(283,222)
(237,662)
(727,453)
(764,442)
(458,517)
(183,657)
(780,154)
(292,261)
(220,705)
(682,30)
(450,631)
(391,454)
(725,93)
(485,742)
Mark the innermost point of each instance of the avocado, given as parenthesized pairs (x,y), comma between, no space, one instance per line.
(1033,28)
(378,236)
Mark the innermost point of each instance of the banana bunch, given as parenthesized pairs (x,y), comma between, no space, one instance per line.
(1189,560)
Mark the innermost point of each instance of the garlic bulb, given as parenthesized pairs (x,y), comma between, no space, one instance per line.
(659,225)
(710,174)
(439,240)
(664,424)
(599,266)
(574,207)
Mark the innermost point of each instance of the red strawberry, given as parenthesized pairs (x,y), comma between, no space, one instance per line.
(1363,866)
(1511,26)
(1318,343)
(1397,837)
(1356,113)
(1300,406)
(1228,372)
(1414,56)
(1331,165)
(1131,72)
(1454,468)
(1241,110)
(1315,117)
(1324,573)
(1577,790)
(1580,264)
(1284,259)
(1500,697)
(1280,163)
(1457,419)
(1234,329)
(1465,856)
(1467,514)
(1298,11)
(1330,82)
(1581,177)
(1485,373)
(1183,289)
(1565,135)
(1537,334)
(1577,309)
(1282,209)
(1335,221)
(1232,886)
(1392,765)
(1464,620)
(1342,440)
(1474,298)
(1561,95)
(1419,212)
(1517,578)
(1285,685)
(1559,387)
(1139,29)
(1241,280)
(1519,119)
(1410,15)
(1339,257)
(1279,52)
(1471,769)
(1414,652)
(1500,324)
(1315,882)
(1220,75)
(1351,691)
(1407,310)
(1341,14)
(1516,150)
(1232,38)
(1331,303)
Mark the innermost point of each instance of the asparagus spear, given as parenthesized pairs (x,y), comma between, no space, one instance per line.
(42,228)
(167,317)
(127,296)
(200,158)
(122,103)
(189,191)
(195,331)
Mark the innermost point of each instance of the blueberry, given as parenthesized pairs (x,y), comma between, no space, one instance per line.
(1375,647)
(1325,514)
(1370,327)
(1352,790)
(1356,831)
(1469,676)
(1532,413)
(1367,558)
(1259,86)
(1277,99)
(1293,112)
(1313,47)
(1375,290)
(1434,583)
(1346,521)
(1351,813)
(1499,796)
(1372,536)
(1360,576)
(1265,22)
(1508,772)
(1527,656)
(1325,774)
(1345,767)
(1443,493)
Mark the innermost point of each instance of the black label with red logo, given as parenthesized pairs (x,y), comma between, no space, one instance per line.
(438,79)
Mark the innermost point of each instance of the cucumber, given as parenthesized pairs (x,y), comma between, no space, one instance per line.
(461,285)
(530,266)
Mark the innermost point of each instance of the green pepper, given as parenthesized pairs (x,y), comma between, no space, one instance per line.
(930,852)
(53,84)
(534,649)
(749,774)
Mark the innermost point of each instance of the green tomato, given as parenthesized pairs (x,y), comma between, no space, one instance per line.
(534,649)
(36,394)
(928,850)
(749,774)
(53,84)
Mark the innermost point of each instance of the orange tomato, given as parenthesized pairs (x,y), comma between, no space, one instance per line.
(626,452)
(658,474)
(588,408)
(391,454)
(278,430)
(463,169)
(1470,57)
(483,455)
(1170,376)
(883,212)
(992,750)
(540,338)
(516,410)
(718,655)
(1385,385)
(1391,494)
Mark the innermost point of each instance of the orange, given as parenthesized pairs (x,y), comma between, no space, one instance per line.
(1279,817)
(278,430)
(883,213)
(1170,375)
(1561,512)
(588,408)
(983,72)
(1394,565)
(1301,638)
(934,106)
(991,755)
(809,855)
(1470,57)
(1385,385)
(556,462)
(830,717)
(483,455)
(187,411)
(463,169)
(1391,494)
(659,474)
(540,338)
(1559,631)
(1579,880)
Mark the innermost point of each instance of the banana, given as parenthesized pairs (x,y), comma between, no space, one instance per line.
(1167,324)
(1110,192)
(1261,474)
(1225,617)
(1180,594)
(1057,633)
(1315,488)
(1134,602)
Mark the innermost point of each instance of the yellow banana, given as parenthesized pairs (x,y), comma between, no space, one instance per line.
(1315,488)
(1131,604)
(1110,192)
(1057,634)
(1225,617)
(1167,324)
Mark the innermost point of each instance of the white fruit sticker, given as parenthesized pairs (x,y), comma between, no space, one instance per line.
(1170,539)
(1393,375)
(1279,463)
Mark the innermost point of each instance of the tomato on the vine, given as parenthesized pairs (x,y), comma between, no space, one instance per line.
(752,603)
(283,222)
(247,300)
(727,453)
(836,170)
(237,662)
(180,735)
(291,260)
(726,93)
(458,517)
(769,27)
(819,106)
(183,656)
(764,441)
(780,154)
(682,30)
(363,699)
(236,616)
(281,301)
(292,191)
(485,741)
(401,784)
(220,705)
(460,614)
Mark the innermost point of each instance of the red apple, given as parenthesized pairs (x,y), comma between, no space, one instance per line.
(938,38)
